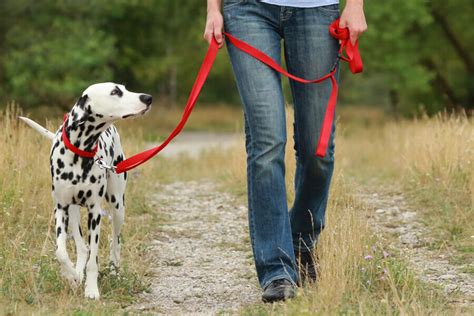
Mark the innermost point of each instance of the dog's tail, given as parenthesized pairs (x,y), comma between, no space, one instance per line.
(37,127)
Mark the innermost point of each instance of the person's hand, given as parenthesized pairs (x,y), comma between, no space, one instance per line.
(214,26)
(353,18)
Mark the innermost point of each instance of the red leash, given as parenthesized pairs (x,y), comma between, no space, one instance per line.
(352,57)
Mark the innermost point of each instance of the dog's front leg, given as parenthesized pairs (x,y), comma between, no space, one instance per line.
(118,215)
(92,289)
(61,213)
(82,250)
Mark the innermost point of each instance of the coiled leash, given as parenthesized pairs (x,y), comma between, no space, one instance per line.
(352,57)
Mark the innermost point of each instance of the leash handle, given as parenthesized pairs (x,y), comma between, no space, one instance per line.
(355,64)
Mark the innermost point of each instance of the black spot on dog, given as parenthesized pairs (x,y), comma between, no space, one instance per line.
(80,194)
(81,102)
(98,219)
(125,175)
(93,224)
(106,197)
(89,193)
(71,175)
(117,206)
(100,126)
(93,179)
(89,221)
(101,191)
(58,232)
(80,230)
(58,171)
(97,239)
(62,151)
(86,166)
(89,239)
(112,199)
(99,115)
(91,119)
(60,163)
(90,128)
(118,239)
(64,176)
(119,159)
(74,182)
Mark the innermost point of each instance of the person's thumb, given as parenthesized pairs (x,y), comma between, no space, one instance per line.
(342,23)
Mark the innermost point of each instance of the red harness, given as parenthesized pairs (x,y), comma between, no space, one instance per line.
(352,57)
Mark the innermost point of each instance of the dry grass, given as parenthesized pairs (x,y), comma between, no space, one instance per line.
(431,160)
(411,155)
(349,283)
(29,273)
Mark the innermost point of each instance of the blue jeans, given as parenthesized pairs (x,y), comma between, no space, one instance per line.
(310,52)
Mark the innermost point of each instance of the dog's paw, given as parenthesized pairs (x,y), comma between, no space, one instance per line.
(72,277)
(92,292)
(113,268)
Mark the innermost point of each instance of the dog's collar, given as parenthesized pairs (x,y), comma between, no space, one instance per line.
(71,147)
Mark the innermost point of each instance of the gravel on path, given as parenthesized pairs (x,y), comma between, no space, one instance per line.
(202,262)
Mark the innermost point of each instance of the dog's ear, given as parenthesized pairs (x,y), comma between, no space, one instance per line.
(81,102)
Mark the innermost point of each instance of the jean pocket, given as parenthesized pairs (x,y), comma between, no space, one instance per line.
(231,3)
(332,9)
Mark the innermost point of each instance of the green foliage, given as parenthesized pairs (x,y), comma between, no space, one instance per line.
(413,52)
(417,54)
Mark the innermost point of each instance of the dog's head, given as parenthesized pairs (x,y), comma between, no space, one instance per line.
(112,101)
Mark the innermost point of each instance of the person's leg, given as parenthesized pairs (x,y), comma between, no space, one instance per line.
(310,52)
(261,94)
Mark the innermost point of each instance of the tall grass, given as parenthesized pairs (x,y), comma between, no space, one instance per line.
(431,157)
(431,160)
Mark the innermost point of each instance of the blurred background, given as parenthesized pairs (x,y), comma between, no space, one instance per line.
(417,54)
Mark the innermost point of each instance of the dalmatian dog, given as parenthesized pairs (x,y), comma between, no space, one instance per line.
(79,181)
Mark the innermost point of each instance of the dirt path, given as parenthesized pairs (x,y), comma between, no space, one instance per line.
(193,143)
(201,259)
(393,216)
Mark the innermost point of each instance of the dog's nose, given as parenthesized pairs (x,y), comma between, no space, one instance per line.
(146,98)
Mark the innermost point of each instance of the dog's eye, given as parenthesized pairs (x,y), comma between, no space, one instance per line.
(117,91)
